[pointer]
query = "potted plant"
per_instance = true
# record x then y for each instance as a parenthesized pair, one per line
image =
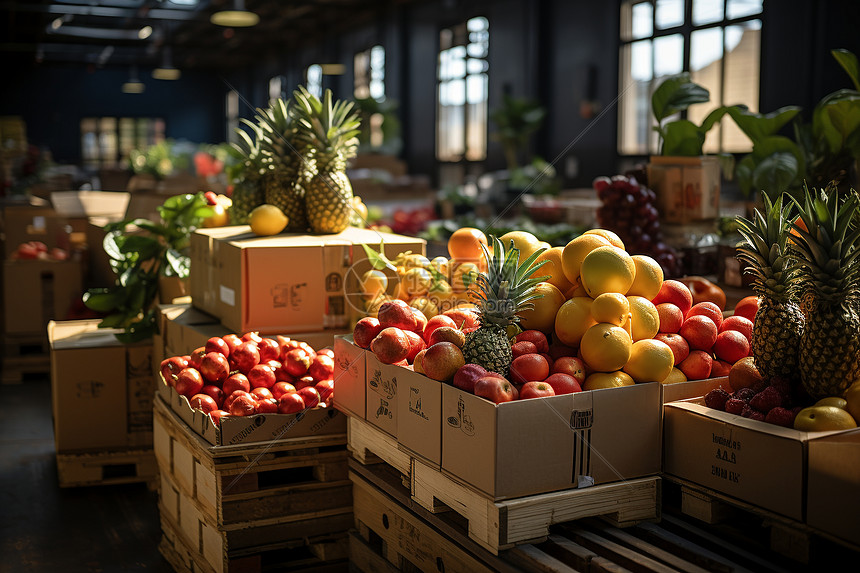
(687, 181)
(151, 263)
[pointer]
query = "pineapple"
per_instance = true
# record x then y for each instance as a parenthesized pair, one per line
(284, 159)
(779, 321)
(329, 133)
(501, 294)
(248, 190)
(827, 249)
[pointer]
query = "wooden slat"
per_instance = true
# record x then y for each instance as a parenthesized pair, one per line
(628, 558)
(363, 558)
(364, 439)
(626, 538)
(89, 469)
(530, 558)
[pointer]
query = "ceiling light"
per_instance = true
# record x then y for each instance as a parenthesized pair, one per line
(144, 32)
(238, 17)
(133, 85)
(166, 71)
(55, 25)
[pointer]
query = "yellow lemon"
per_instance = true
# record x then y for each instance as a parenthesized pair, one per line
(852, 396)
(610, 307)
(649, 277)
(524, 241)
(674, 377)
(573, 319)
(607, 269)
(823, 419)
(463, 277)
(416, 262)
(267, 220)
(576, 290)
(441, 265)
(606, 347)
(575, 252)
(542, 317)
(650, 361)
(553, 269)
(544, 245)
(608, 235)
(373, 283)
(599, 380)
(645, 320)
(416, 281)
(834, 401)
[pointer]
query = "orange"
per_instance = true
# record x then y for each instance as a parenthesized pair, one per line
(606, 347)
(546, 308)
(599, 380)
(465, 244)
(645, 320)
(524, 241)
(792, 231)
(650, 361)
(852, 397)
(553, 269)
(610, 307)
(573, 319)
(607, 269)
(613, 239)
(575, 251)
(648, 279)
(416, 281)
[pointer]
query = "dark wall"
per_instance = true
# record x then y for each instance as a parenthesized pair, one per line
(53, 100)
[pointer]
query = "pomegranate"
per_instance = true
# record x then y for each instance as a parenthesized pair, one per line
(325, 389)
(203, 402)
(267, 406)
(228, 401)
(215, 367)
(326, 352)
(297, 361)
(269, 349)
(232, 341)
(215, 393)
(322, 368)
(281, 388)
(245, 356)
(310, 396)
(217, 415)
(217, 344)
(243, 405)
(291, 403)
(237, 381)
(189, 382)
(261, 393)
(171, 367)
(304, 382)
(196, 357)
(261, 376)
(252, 337)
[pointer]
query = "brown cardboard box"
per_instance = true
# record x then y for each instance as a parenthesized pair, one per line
(24, 223)
(285, 283)
(688, 188)
(759, 463)
(382, 395)
(419, 415)
(832, 503)
(350, 375)
(101, 389)
(85, 204)
(36, 292)
(527, 447)
(692, 389)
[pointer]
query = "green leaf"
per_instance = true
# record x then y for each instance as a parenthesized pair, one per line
(835, 117)
(676, 94)
(378, 260)
(848, 61)
(115, 320)
(757, 126)
(111, 247)
(179, 263)
(145, 247)
(102, 299)
(682, 138)
(744, 173)
(774, 173)
(713, 117)
(148, 225)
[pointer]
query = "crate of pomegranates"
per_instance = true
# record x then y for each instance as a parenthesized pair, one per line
(246, 389)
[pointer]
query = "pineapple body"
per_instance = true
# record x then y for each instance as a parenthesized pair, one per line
(283, 191)
(490, 347)
(830, 352)
(328, 194)
(776, 338)
(247, 195)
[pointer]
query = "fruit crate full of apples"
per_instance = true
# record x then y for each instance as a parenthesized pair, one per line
(788, 414)
(247, 389)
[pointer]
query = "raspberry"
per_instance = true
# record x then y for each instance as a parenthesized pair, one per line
(735, 406)
(744, 394)
(758, 386)
(716, 399)
(766, 400)
(752, 414)
(781, 417)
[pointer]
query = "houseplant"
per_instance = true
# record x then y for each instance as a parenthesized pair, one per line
(146, 256)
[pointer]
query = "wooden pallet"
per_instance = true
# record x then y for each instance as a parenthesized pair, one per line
(106, 468)
(208, 553)
(35, 344)
(17, 369)
(394, 533)
(498, 525)
(251, 483)
(790, 538)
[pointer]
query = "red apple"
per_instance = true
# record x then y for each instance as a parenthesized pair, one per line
(228, 401)
(171, 367)
(523, 347)
(304, 382)
(563, 383)
(267, 406)
(536, 390)
(310, 396)
(325, 388)
(671, 317)
(243, 405)
(215, 393)
(467, 375)
(416, 345)
(365, 331)
(700, 332)
(731, 346)
(296, 362)
(697, 366)
(740, 324)
(678, 344)
(237, 381)
(217, 415)
(494, 389)
(290, 403)
(203, 402)
(261, 376)
(245, 356)
(437, 321)
(420, 321)
(261, 393)
(570, 365)
(529, 368)
(269, 349)
(253, 336)
(281, 388)
(747, 307)
(536, 337)
(217, 344)
(232, 341)
(195, 359)
(189, 382)
(719, 368)
(709, 309)
(675, 292)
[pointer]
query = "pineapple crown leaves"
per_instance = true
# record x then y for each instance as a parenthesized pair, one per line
(328, 126)
(507, 287)
(765, 248)
(828, 244)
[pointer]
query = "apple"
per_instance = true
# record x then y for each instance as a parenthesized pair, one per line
(675, 292)
(536, 337)
(214, 367)
(261, 393)
(203, 402)
(436, 322)
(747, 307)
(708, 309)
(731, 346)
(563, 383)
(365, 331)
(290, 403)
(523, 347)
(269, 349)
(217, 344)
(697, 366)
(310, 396)
(267, 406)
(214, 392)
(570, 365)
(678, 344)
(237, 381)
(195, 359)
(558, 350)
(325, 388)
(391, 345)
(217, 415)
(416, 345)
(261, 376)
(720, 368)
(245, 356)
(536, 390)
(243, 405)
(442, 360)
(704, 290)
(494, 389)
(739, 324)
(467, 375)
(281, 388)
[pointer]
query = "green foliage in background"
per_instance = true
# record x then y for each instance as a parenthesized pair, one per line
(159, 160)
(392, 141)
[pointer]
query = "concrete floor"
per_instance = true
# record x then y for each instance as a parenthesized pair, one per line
(47, 529)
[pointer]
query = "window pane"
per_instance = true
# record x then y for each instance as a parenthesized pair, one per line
(668, 55)
(706, 55)
(477, 24)
(741, 8)
(707, 11)
(634, 110)
(643, 20)
(314, 83)
(670, 13)
(476, 143)
(743, 56)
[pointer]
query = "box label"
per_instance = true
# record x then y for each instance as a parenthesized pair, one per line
(726, 454)
(227, 295)
(461, 421)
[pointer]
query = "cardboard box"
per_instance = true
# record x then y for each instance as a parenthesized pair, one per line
(692, 389)
(535, 446)
(101, 389)
(285, 283)
(36, 292)
(350, 375)
(85, 204)
(24, 223)
(832, 503)
(381, 390)
(688, 188)
(756, 462)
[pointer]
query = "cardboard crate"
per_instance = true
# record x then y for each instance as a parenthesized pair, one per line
(101, 389)
(756, 462)
(24, 223)
(35, 292)
(285, 283)
(688, 188)
(832, 503)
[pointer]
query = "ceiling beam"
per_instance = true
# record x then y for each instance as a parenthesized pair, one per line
(106, 12)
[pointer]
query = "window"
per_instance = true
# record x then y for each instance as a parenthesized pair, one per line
(717, 41)
(107, 141)
(461, 110)
(232, 116)
(277, 88)
(369, 72)
(314, 80)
